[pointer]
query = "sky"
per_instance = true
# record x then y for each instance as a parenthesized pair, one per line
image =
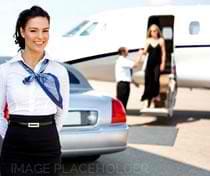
(65, 14)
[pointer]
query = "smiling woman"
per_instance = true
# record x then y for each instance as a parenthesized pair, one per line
(36, 90)
(36, 34)
(32, 34)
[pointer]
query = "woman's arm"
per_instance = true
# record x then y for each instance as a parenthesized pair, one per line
(3, 121)
(65, 92)
(163, 54)
(141, 54)
(146, 46)
(138, 58)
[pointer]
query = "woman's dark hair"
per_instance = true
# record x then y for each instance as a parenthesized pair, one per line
(23, 18)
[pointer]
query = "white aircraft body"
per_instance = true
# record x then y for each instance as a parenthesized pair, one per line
(92, 46)
(97, 39)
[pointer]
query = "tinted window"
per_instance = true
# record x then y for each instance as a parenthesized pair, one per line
(77, 80)
(73, 78)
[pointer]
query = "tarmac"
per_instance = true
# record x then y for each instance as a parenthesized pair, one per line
(187, 131)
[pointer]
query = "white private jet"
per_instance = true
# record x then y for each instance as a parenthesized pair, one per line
(92, 47)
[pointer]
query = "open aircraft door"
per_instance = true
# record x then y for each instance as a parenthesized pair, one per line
(168, 83)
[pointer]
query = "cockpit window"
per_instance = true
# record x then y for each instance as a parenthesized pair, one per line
(76, 29)
(89, 29)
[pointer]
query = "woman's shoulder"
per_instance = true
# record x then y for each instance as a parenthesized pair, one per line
(161, 40)
(148, 40)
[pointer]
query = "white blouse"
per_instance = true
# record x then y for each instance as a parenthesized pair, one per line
(30, 99)
(123, 69)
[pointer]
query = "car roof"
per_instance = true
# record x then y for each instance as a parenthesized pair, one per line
(81, 84)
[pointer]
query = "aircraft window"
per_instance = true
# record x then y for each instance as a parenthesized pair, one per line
(194, 28)
(167, 33)
(89, 29)
(76, 29)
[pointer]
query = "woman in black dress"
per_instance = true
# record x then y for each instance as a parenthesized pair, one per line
(36, 90)
(155, 48)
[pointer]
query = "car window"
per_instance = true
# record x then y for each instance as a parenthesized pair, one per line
(73, 78)
(77, 81)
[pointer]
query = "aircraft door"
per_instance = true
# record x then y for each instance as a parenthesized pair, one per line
(166, 25)
(168, 87)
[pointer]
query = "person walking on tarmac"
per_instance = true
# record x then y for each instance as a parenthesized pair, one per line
(123, 75)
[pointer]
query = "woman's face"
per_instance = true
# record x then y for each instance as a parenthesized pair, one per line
(154, 32)
(36, 34)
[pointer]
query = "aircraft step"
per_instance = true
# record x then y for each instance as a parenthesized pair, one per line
(156, 112)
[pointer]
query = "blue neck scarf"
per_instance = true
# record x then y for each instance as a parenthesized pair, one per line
(47, 81)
